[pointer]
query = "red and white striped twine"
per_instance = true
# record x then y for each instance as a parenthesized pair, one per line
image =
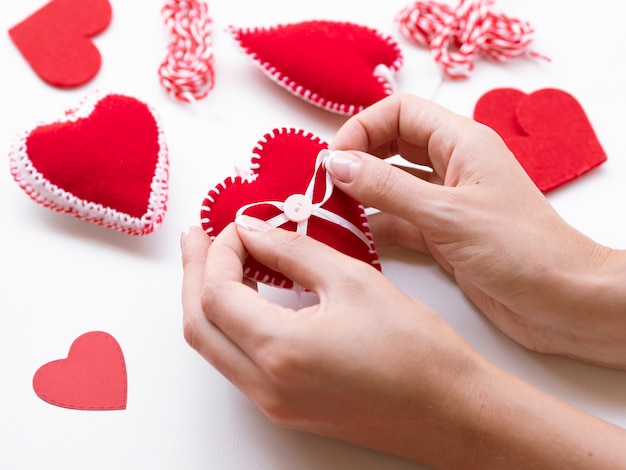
(187, 71)
(457, 35)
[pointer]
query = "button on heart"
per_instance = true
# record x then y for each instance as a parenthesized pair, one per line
(298, 208)
(55, 40)
(92, 377)
(339, 66)
(105, 162)
(547, 130)
(290, 189)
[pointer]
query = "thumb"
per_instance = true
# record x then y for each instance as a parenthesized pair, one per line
(302, 259)
(378, 184)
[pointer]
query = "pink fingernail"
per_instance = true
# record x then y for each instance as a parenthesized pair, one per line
(183, 238)
(252, 224)
(343, 165)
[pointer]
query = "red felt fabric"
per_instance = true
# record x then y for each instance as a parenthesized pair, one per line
(55, 40)
(92, 377)
(105, 161)
(328, 63)
(286, 159)
(108, 157)
(547, 130)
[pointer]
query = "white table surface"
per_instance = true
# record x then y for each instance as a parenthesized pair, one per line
(61, 277)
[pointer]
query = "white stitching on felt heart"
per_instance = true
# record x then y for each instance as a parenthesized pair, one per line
(382, 73)
(249, 176)
(42, 191)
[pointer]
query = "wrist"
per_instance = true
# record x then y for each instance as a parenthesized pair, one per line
(502, 422)
(603, 307)
(517, 425)
(588, 295)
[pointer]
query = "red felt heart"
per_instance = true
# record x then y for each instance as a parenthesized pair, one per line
(105, 162)
(339, 66)
(92, 377)
(285, 163)
(547, 130)
(55, 40)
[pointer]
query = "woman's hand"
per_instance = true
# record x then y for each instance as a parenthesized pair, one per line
(539, 280)
(368, 364)
(372, 366)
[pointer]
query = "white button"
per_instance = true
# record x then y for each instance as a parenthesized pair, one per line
(297, 208)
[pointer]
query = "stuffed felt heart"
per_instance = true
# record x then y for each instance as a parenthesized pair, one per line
(339, 66)
(92, 377)
(105, 162)
(547, 130)
(55, 40)
(289, 188)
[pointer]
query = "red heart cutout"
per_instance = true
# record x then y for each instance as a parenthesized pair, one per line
(93, 377)
(285, 163)
(547, 130)
(339, 66)
(105, 162)
(55, 40)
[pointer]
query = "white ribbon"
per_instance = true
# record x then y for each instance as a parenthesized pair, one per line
(317, 210)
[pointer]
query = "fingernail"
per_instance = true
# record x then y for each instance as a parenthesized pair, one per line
(343, 165)
(183, 238)
(252, 224)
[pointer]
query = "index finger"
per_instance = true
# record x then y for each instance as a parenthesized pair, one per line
(419, 130)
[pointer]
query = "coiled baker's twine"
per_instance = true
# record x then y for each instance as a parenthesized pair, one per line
(187, 71)
(457, 35)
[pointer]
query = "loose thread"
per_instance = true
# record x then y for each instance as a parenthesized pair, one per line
(457, 35)
(187, 72)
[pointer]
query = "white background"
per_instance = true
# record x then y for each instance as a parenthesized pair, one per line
(61, 277)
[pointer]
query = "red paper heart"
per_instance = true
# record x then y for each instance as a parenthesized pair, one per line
(284, 164)
(55, 40)
(548, 131)
(105, 162)
(339, 66)
(93, 377)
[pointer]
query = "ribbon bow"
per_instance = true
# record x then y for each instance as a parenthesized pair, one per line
(300, 207)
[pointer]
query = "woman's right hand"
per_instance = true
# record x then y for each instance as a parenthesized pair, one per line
(538, 279)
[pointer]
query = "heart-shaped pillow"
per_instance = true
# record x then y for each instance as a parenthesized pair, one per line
(339, 66)
(286, 174)
(547, 130)
(105, 162)
(92, 377)
(55, 40)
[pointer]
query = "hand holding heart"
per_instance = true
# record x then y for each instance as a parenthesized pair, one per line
(479, 214)
(373, 366)
(309, 369)
(367, 364)
(286, 166)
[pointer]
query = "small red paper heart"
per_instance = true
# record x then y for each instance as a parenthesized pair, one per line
(547, 130)
(92, 377)
(105, 162)
(55, 40)
(339, 66)
(286, 163)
